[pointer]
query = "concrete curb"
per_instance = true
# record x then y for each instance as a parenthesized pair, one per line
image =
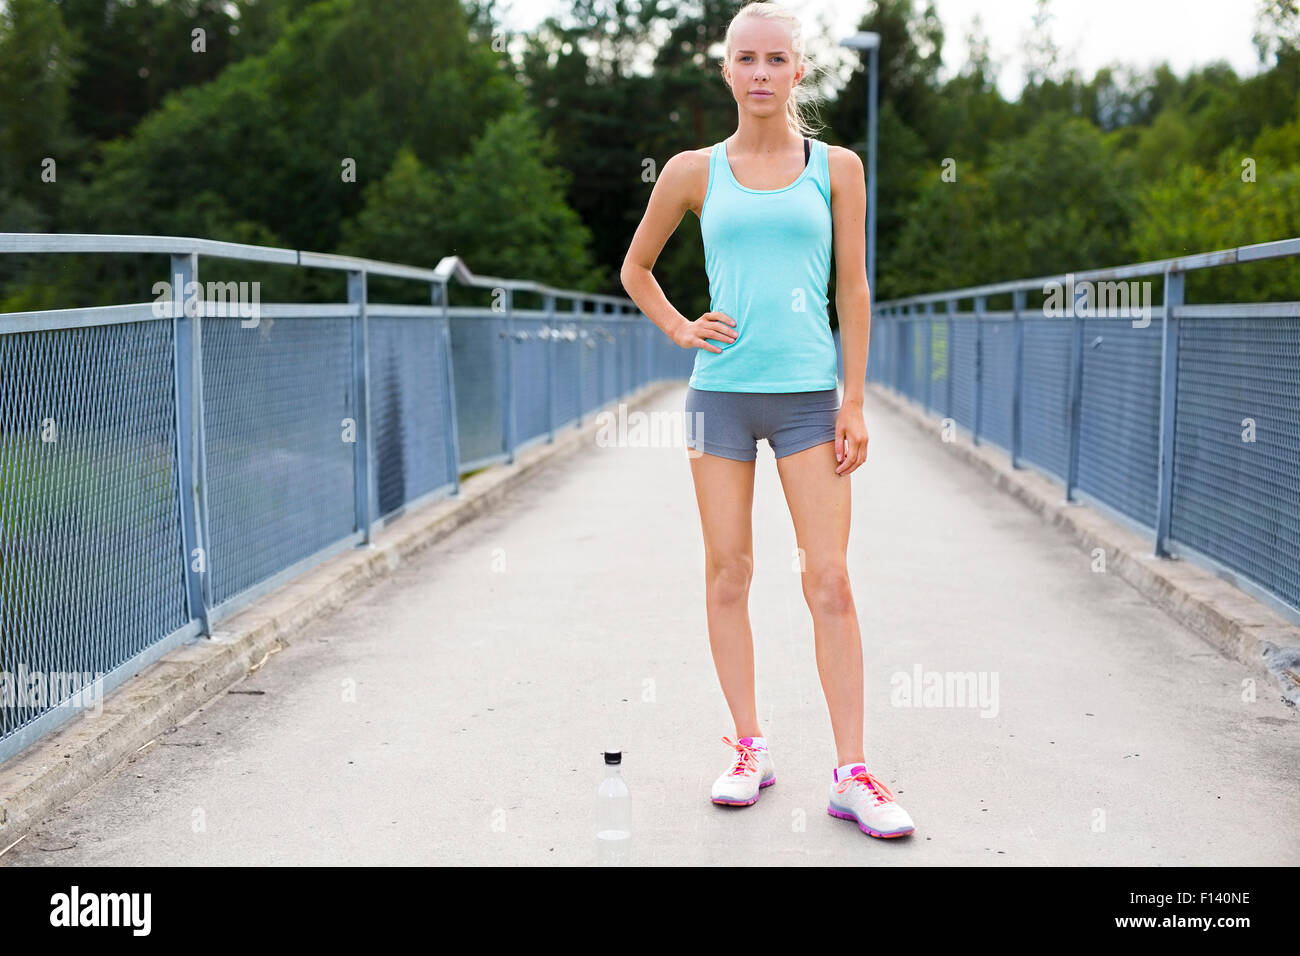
(76, 756)
(1233, 622)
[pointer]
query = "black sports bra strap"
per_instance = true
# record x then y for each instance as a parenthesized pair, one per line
(805, 150)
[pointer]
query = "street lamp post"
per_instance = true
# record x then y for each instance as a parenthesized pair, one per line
(870, 43)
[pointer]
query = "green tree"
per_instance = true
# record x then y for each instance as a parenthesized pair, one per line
(970, 113)
(265, 149)
(500, 208)
(1248, 196)
(37, 65)
(134, 54)
(1058, 198)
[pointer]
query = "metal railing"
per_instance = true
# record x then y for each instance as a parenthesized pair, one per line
(1185, 425)
(164, 464)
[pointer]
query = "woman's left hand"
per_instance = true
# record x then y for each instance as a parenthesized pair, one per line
(850, 438)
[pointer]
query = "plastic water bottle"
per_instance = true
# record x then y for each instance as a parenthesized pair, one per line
(613, 815)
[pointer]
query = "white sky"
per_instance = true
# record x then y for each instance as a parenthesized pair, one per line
(1090, 33)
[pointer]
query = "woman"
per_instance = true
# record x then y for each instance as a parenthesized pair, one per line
(771, 203)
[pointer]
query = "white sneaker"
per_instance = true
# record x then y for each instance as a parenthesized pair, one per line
(751, 772)
(869, 803)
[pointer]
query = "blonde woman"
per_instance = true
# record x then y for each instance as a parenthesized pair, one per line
(773, 203)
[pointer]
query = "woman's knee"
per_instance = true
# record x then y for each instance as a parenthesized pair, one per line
(827, 589)
(728, 578)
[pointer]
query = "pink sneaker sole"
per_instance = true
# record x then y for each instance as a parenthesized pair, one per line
(866, 829)
(747, 803)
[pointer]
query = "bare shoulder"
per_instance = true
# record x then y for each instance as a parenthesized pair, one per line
(700, 155)
(687, 175)
(845, 166)
(688, 163)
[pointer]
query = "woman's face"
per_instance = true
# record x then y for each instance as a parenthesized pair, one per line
(761, 69)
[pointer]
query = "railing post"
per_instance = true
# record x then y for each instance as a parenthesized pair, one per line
(891, 366)
(451, 435)
(187, 343)
(611, 329)
(1174, 293)
(879, 340)
(929, 354)
(979, 365)
(913, 348)
(616, 325)
(622, 350)
(596, 355)
(1076, 398)
(899, 336)
(639, 343)
(1018, 345)
(638, 351)
(366, 497)
(886, 377)
(885, 374)
(602, 310)
(508, 384)
(550, 365)
(580, 357)
(948, 307)
(630, 335)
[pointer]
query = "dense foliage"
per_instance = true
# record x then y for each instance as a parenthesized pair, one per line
(534, 154)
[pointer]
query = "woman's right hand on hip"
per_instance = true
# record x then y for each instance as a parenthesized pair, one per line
(711, 325)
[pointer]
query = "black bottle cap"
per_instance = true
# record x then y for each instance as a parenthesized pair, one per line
(613, 756)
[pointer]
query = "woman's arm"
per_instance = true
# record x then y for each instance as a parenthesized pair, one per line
(852, 297)
(852, 302)
(674, 192)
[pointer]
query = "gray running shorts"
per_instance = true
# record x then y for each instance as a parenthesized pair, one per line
(729, 424)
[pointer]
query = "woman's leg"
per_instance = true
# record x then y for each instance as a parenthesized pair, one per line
(724, 491)
(819, 503)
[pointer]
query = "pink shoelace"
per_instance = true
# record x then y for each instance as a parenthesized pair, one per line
(746, 762)
(882, 793)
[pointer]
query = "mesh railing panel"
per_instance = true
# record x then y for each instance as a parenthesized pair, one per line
(917, 360)
(531, 378)
(1119, 424)
(939, 366)
(907, 358)
(591, 365)
(408, 408)
(568, 378)
(91, 554)
(998, 370)
(477, 354)
(625, 351)
(607, 346)
(1234, 500)
(963, 373)
(1045, 404)
(280, 470)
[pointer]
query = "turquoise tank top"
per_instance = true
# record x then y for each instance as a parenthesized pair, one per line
(767, 253)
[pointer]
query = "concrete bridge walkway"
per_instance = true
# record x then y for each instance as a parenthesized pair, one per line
(454, 713)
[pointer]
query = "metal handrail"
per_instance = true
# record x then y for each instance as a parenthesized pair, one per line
(1278, 249)
(447, 268)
